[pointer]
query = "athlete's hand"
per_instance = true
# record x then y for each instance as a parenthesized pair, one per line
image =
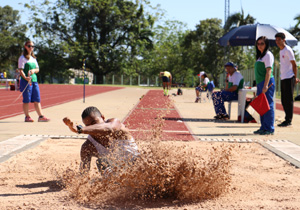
(70, 124)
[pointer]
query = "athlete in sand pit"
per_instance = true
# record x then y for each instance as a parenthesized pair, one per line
(109, 141)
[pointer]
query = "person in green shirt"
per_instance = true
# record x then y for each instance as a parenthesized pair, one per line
(265, 83)
(28, 67)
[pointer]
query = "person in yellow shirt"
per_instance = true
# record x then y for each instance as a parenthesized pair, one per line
(4, 75)
(167, 81)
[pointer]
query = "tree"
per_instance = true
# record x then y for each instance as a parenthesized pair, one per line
(107, 33)
(202, 51)
(296, 29)
(244, 57)
(167, 52)
(238, 19)
(12, 36)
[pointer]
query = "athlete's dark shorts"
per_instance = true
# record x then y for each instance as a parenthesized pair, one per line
(165, 79)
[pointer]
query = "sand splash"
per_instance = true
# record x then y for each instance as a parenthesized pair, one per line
(163, 171)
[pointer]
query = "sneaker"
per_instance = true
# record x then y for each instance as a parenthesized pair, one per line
(222, 117)
(43, 119)
(197, 99)
(259, 131)
(225, 117)
(218, 117)
(28, 119)
(267, 133)
(284, 124)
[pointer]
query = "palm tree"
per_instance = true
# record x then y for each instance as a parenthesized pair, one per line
(238, 19)
(296, 29)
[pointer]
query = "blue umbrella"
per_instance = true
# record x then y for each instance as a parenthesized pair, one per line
(246, 35)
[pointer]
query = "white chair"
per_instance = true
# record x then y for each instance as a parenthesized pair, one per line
(242, 95)
(229, 107)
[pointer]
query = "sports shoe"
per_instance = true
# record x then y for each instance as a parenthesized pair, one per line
(259, 131)
(43, 119)
(266, 133)
(284, 124)
(222, 117)
(218, 117)
(225, 117)
(197, 99)
(28, 119)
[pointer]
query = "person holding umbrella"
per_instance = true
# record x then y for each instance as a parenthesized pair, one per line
(265, 83)
(288, 76)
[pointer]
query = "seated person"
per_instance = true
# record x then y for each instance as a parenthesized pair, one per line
(235, 82)
(202, 87)
(109, 141)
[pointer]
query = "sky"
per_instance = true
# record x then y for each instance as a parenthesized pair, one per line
(275, 12)
(265, 11)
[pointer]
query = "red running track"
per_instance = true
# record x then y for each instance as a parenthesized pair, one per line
(155, 114)
(51, 95)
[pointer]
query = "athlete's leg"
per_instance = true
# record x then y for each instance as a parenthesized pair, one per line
(87, 151)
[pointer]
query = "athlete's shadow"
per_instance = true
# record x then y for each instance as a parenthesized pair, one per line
(53, 186)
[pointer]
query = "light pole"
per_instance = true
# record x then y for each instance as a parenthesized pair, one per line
(84, 76)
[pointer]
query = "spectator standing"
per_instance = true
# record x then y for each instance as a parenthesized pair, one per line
(288, 76)
(29, 87)
(265, 83)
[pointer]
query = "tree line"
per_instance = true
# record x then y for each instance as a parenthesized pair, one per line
(120, 37)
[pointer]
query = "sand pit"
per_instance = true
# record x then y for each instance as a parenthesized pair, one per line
(252, 178)
(258, 179)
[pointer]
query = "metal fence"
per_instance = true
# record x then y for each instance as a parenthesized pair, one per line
(131, 80)
(142, 80)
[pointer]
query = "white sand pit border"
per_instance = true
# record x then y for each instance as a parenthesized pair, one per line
(283, 148)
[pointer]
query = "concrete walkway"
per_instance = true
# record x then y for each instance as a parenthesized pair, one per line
(17, 136)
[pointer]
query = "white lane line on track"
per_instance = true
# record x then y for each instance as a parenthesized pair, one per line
(166, 131)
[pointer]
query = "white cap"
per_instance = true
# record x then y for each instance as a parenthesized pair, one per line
(201, 73)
